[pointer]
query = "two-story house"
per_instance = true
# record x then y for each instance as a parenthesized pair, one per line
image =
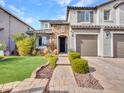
(92, 31)
(10, 24)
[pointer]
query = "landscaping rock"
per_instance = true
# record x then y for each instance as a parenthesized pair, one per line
(45, 72)
(1, 86)
(87, 81)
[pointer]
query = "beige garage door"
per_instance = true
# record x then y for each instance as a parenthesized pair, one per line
(119, 45)
(86, 45)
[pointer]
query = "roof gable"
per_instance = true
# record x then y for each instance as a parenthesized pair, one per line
(5, 10)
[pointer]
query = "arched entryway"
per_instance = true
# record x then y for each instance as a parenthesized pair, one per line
(62, 44)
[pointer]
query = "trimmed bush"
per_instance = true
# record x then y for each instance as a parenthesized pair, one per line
(80, 66)
(52, 60)
(73, 55)
(1, 57)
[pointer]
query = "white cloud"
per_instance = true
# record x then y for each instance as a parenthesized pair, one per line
(29, 20)
(63, 2)
(2, 2)
(16, 10)
(85, 2)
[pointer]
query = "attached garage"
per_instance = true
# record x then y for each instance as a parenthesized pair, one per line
(118, 45)
(86, 45)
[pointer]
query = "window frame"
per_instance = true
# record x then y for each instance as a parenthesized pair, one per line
(62, 28)
(85, 16)
(46, 27)
(42, 42)
(108, 17)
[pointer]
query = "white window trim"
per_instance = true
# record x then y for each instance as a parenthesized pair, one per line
(47, 26)
(110, 16)
(85, 17)
(62, 28)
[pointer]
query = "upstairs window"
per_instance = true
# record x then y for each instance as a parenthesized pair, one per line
(46, 25)
(85, 16)
(62, 28)
(107, 15)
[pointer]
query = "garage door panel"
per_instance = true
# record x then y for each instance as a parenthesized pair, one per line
(87, 45)
(119, 45)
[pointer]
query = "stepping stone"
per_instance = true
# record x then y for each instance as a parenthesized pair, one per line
(8, 87)
(31, 86)
(38, 86)
(1, 86)
(23, 87)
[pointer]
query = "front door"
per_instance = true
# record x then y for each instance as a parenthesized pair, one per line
(62, 44)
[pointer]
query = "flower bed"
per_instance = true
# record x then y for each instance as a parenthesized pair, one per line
(81, 72)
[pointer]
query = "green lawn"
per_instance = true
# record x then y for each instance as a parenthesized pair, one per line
(19, 68)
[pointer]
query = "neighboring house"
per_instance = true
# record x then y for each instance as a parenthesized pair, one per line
(10, 24)
(92, 31)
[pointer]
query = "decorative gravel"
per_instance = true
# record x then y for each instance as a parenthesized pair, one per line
(45, 72)
(87, 81)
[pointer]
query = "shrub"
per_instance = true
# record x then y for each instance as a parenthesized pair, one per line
(24, 43)
(17, 37)
(24, 46)
(1, 57)
(2, 45)
(80, 66)
(73, 55)
(52, 60)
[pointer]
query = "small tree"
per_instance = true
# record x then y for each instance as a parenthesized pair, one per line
(24, 46)
(24, 43)
(17, 37)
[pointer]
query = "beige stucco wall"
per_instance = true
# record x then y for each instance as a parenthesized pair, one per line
(11, 26)
(72, 18)
(121, 12)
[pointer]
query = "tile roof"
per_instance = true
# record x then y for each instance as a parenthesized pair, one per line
(85, 26)
(56, 22)
(45, 31)
(97, 27)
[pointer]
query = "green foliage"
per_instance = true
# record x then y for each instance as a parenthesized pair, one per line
(52, 60)
(1, 57)
(24, 46)
(2, 45)
(73, 55)
(17, 37)
(24, 43)
(80, 66)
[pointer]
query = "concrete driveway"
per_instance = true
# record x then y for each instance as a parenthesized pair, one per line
(109, 74)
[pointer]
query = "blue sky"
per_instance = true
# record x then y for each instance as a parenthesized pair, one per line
(31, 11)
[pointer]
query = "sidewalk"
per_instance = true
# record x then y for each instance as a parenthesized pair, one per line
(63, 79)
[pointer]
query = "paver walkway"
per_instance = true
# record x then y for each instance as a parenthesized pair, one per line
(62, 79)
